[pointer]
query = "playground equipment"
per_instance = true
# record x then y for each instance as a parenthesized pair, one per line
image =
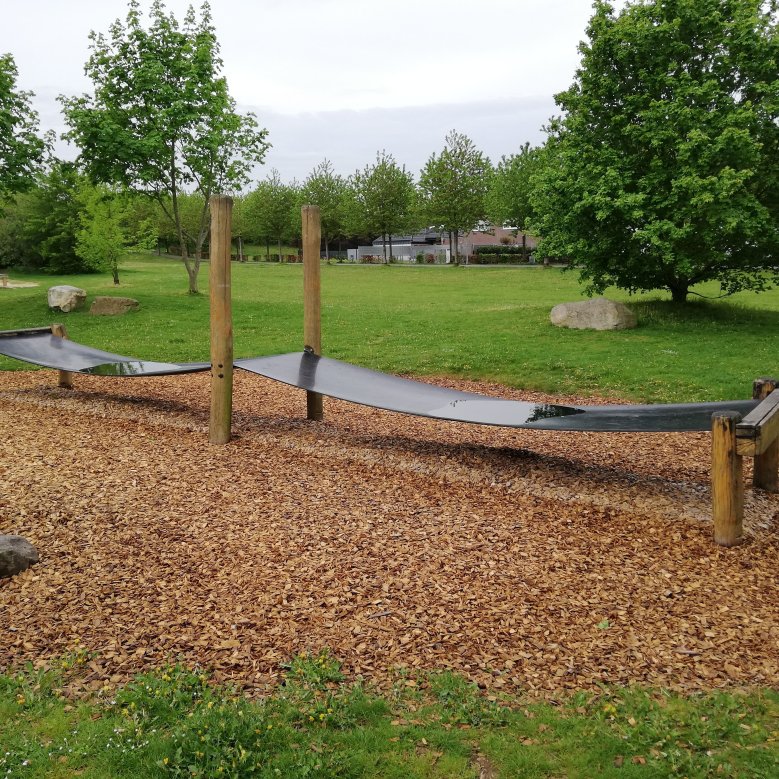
(740, 428)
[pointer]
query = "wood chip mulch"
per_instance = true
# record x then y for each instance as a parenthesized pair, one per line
(530, 561)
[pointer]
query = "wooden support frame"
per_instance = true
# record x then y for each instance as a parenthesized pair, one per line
(65, 379)
(757, 435)
(727, 481)
(220, 419)
(312, 307)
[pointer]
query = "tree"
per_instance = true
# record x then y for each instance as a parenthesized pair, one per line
(508, 198)
(382, 198)
(268, 210)
(41, 224)
(453, 187)
(326, 189)
(664, 170)
(21, 149)
(161, 119)
(109, 228)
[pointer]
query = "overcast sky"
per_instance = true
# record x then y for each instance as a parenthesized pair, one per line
(344, 78)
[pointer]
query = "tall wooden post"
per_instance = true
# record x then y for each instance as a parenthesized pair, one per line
(727, 483)
(65, 377)
(766, 471)
(312, 324)
(221, 321)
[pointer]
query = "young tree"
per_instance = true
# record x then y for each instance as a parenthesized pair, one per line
(326, 189)
(21, 149)
(664, 170)
(382, 199)
(453, 187)
(109, 229)
(269, 209)
(161, 119)
(508, 198)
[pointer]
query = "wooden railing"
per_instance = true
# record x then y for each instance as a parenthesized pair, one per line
(733, 438)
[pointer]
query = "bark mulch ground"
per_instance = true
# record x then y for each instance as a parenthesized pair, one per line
(525, 560)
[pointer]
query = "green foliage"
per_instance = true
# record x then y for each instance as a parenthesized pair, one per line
(328, 190)
(664, 170)
(508, 201)
(381, 200)
(161, 119)
(39, 228)
(271, 211)
(21, 148)
(453, 187)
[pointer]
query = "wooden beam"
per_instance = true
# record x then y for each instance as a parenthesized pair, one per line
(765, 475)
(760, 427)
(312, 320)
(65, 379)
(727, 483)
(220, 420)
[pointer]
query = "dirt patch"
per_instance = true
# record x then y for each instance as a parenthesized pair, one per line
(525, 560)
(18, 284)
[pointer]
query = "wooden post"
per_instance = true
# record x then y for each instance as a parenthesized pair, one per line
(65, 377)
(727, 483)
(220, 420)
(312, 324)
(766, 470)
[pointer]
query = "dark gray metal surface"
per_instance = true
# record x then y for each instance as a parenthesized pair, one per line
(51, 351)
(371, 388)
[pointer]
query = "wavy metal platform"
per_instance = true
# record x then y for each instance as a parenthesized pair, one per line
(352, 383)
(52, 351)
(371, 388)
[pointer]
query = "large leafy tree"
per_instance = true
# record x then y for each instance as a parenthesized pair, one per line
(326, 189)
(508, 198)
(21, 148)
(161, 120)
(664, 170)
(453, 186)
(381, 200)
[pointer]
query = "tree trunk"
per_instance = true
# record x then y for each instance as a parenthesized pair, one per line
(384, 244)
(390, 246)
(115, 274)
(456, 247)
(679, 292)
(280, 260)
(240, 249)
(327, 251)
(267, 249)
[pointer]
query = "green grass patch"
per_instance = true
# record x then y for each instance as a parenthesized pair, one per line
(175, 723)
(478, 323)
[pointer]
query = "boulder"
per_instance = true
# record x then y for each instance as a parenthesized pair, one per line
(113, 306)
(17, 554)
(595, 314)
(66, 298)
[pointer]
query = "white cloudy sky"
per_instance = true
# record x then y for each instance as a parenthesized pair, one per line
(344, 78)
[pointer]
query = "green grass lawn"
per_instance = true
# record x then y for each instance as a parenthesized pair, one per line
(174, 723)
(480, 323)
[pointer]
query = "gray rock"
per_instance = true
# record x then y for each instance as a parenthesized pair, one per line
(113, 306)
(17, 554)
(66, 298)
(595, 314)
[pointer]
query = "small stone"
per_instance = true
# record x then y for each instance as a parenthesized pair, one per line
(113, 306)
(17, 554)
(66, 298)
(595, 314)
